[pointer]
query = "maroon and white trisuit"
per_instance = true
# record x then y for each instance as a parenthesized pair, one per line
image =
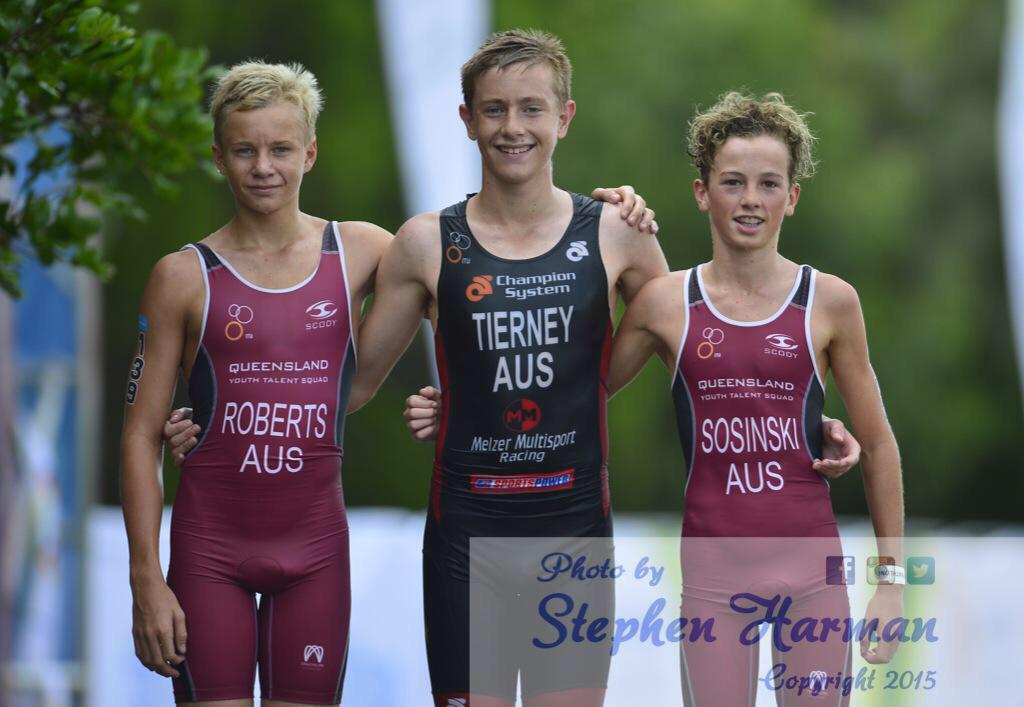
(749, 398)
(259, 509)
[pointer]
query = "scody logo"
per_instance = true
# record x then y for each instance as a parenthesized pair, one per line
(323, 312)
(322, 309)
(781, 341)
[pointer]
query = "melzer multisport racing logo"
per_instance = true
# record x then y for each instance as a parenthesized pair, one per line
(521, 415)
(240, 316)
(523, 483)
(479, 288)
(322, 313)
(780, 345)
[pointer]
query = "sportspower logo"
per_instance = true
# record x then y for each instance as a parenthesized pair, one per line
(479, 288)
(577, 251)
(781, 341)
(322, 309)
(240, 316)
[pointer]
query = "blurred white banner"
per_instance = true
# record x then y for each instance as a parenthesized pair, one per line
(1011, 168)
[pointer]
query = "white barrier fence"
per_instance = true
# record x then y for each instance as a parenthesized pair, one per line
(979, 579)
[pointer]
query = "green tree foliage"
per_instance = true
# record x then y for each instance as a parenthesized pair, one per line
(102, 107)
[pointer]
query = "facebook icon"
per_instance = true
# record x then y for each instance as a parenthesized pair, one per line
(839, 569)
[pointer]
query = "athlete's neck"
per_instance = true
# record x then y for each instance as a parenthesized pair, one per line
(249, 230)
(520, 206)
(749, 272)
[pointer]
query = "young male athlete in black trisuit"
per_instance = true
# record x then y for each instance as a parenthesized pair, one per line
(524, 291)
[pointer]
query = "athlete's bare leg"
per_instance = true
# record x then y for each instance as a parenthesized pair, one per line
(583, 697)
(279, 703)
(247, 702)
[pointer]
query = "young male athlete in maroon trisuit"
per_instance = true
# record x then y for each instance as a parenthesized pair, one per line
(749, 337)
(260, 318)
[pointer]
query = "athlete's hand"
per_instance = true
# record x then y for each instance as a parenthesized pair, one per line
(632, 207)
(158, 626)
(840, 451)
(421, 413)
(885, 605)
(181, 433)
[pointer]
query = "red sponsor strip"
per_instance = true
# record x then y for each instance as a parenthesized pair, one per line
(523, 483)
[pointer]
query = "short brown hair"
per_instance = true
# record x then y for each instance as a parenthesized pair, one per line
(518, 46)
(742, 115)
(255, 84)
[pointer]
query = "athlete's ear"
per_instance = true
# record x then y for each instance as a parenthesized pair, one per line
(794, 196)
(565, 118)
(218, 157)
(311, 152)
(467, 117)
(700, 193)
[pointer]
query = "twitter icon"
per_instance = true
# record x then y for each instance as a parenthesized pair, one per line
(921, 570)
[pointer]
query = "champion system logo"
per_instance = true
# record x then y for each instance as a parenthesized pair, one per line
(479, 288)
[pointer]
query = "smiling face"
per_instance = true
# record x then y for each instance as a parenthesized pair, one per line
(263, 154)
(517, 120)
(748, 193)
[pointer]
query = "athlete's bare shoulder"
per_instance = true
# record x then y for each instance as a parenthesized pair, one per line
(364, 245)
(837, 298)
(419, 237)
(176, 290)
(616, 232)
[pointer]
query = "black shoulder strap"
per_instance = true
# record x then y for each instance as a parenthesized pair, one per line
(694, 294)
(803, 290)
(210, 258)
(328, 244)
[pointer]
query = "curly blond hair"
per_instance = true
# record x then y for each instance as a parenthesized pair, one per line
(518, 46)
(255, 84)
(743, 115)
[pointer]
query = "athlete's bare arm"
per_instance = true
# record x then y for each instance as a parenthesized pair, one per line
(837, 327)
(405, 293)
(171, 307)
(655, 318)
(630, 258)
(365, 245)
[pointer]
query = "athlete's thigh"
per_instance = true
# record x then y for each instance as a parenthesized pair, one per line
(718, 672)
(220, 617)
(304, 632)
(814, 669)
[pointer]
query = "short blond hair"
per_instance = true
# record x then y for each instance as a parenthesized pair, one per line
(519, 46)
(742, 115)
(255, 84)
